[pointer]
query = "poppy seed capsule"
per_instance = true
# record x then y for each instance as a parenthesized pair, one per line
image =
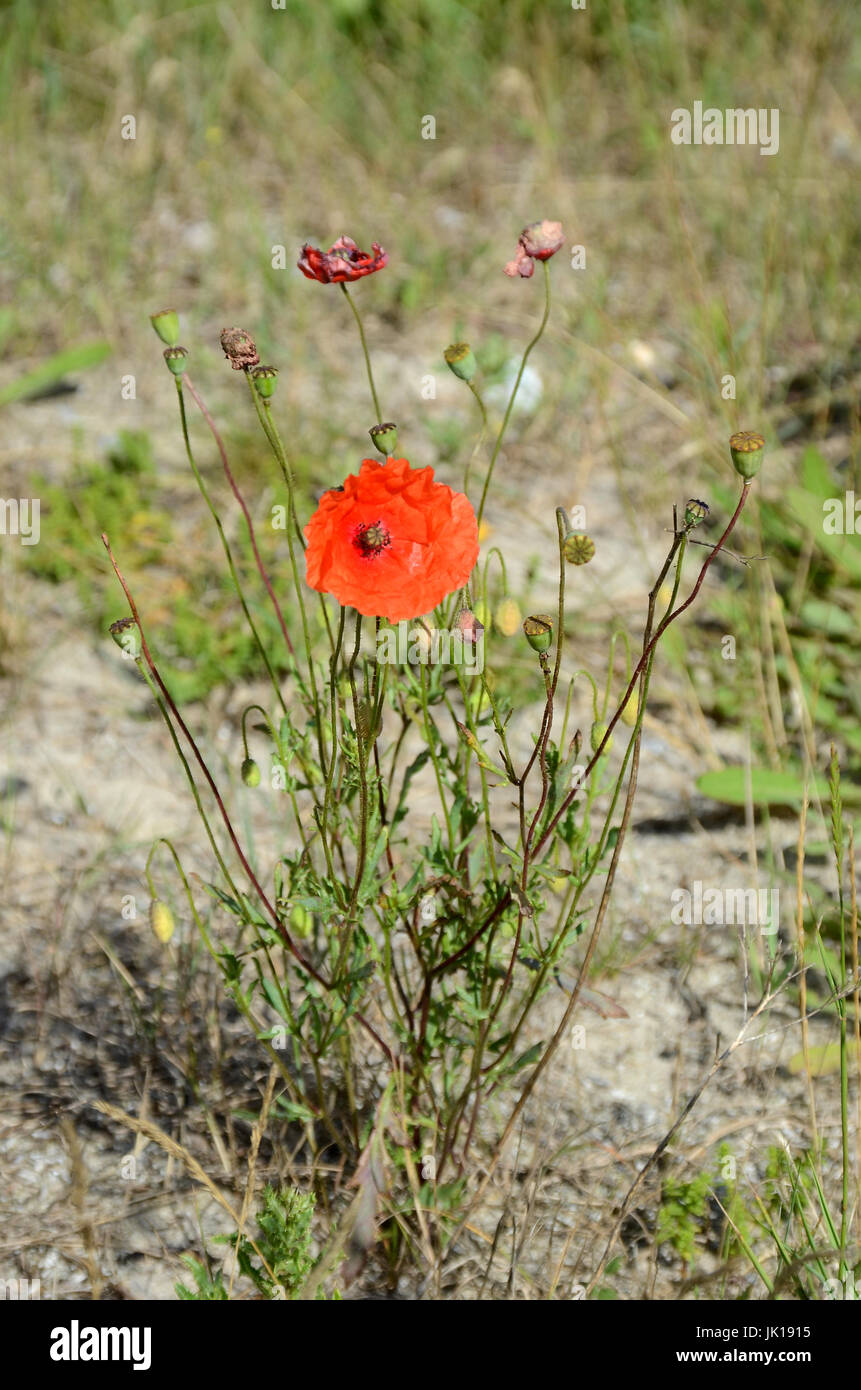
(161, 920)
(748, 450)
(175, 359)
(166, 325)
(578, 549)
(538, 630)
(264, 379)
(461, 360)
(384, 438)
(695, 513)
(250, 773)
(126, 635)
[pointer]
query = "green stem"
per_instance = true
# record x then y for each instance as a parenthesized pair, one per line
(228, 554)
(482, 433)
(357, 317)
(529, 346)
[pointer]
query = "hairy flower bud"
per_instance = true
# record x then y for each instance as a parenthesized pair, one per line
(596, 735)
(161, 920)
(250, 773)
(507, 617)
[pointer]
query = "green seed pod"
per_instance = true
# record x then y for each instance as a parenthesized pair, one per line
(539, 631)
(161, 920)
(166, 325)
(175, 359)
(251, 773)
(695, 513)
(126, 634)
(264, 379)
(748, 450)
(384, 438)
(461, 360)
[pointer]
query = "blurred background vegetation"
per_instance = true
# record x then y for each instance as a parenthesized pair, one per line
(259, 127)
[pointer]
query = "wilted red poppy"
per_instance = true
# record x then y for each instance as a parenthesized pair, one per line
(537, 242)
(392, 543)
(343, 261)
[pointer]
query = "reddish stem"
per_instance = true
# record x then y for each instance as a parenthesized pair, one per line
(240, 499)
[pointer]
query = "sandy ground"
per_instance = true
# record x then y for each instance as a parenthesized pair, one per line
(89, 779)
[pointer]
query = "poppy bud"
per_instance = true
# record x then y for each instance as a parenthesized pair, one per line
(578, 549)
(384, 438)
(539, 631)
(264, 380)
(482, 612)
(161, 920)
(250, 773)
(596, 736)
(468, 737)
(301, 921)
(468, 625)
(695, 513)
(166, 325)
(175, 359)
(461, 360)
(631, 710)
(747, 449)
(507, 617)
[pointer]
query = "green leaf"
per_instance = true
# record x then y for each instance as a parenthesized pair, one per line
(526, 1059)
(272, 994)
(230, 903)
(72, 360)
(768, 787)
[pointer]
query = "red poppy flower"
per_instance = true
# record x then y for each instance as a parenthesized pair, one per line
(537, 242)
(343, 261)
(392, 543)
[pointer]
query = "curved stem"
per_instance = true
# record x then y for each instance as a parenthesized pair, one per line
(241, 500)
(525, 358)
(357, 317)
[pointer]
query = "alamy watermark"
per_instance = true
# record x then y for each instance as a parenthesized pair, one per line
(20, 517)
(735, 126)
(418, 645)
(842, 515)
(719, 907)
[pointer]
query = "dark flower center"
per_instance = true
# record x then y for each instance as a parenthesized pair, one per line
(372, 539)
